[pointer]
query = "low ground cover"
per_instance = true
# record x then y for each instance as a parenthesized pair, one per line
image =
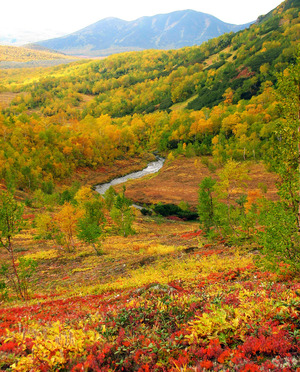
(164, 299)
(168, 302)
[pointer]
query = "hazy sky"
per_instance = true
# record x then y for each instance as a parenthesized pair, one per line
(66, 16)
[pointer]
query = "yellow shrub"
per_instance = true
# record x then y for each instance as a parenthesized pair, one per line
(53, 344)
(42, 255)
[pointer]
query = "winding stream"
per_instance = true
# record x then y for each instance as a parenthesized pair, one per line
(151, 168)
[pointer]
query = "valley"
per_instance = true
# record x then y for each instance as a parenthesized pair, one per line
(204, 275)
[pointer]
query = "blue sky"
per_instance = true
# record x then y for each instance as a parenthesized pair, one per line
(58, 17)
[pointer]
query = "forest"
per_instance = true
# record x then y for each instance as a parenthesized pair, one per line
(204, 274)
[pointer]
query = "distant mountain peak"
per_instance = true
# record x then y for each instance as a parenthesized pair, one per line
(162, 31)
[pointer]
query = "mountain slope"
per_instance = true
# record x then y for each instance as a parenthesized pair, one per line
(164, 31)
(18, 54)
(16, 57)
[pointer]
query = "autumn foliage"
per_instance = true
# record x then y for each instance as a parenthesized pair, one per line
(91, 284)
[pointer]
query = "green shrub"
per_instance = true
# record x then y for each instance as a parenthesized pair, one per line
(280, 239)
(169, 209)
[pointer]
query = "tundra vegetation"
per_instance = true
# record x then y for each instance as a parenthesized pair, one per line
(206, 276)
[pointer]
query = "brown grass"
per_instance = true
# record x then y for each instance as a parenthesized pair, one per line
(121, 254)
(179, 181)
(6, 98)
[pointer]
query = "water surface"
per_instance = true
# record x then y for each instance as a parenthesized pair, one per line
(151, 168)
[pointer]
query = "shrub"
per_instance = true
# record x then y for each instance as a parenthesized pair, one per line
(280, 238)
(167, 210)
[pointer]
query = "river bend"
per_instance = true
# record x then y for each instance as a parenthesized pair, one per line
(151, 168)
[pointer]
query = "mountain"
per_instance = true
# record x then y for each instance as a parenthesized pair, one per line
(164, 31)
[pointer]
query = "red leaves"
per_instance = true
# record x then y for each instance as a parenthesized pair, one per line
(277, 343)
(191, 234)
(174, 218)
(147, 330)
(28, 216)
(224, 356)
(78, 368)
(9, 346)
(176, 286)
(210, 252)
(206, 364)
(251, 367)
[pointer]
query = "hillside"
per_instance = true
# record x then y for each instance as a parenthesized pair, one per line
(11, 56)
(203, 274)
(232, 80)
(164, 31)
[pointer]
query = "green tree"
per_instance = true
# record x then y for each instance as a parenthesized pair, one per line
(286, 159)
(206, 202)
(218, 204)
(281, 220)
(90, 227)
(122, 214)
(280, 239)
(90, 232)
(109, 197)
(232, 180)
(11, 223)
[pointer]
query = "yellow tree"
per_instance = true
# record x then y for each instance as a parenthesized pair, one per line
(232, 181)
(66, 221)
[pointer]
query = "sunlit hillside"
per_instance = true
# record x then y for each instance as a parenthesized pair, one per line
(19, 54)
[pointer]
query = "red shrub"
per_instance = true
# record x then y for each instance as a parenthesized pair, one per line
(9, 346)
(278, 343)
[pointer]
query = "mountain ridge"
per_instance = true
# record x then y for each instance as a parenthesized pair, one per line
(163, 31)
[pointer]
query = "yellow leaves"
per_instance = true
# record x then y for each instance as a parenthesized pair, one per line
(44, 224)
(161, 249)
(66, 220)
(54, 344)
(19, 54)
(211, 73)
(83, 195)
(252, 197)
(226, 322)
(42, 255)
(24, 364)
(232, 178)
(200, 126)
(208, 326)
(103, 121)
(231, 121)
(228, 96)
(170, 269)
(81, 270)
(67, 150)
(240, 130)
(215, 140)
(170, 157)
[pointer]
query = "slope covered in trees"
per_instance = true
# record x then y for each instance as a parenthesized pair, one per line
(90, 113)
(19, 57)
(19, 54)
